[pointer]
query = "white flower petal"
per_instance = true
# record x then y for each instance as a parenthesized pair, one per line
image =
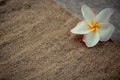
(84, 38)
(106, 31)
(91, 39)
(81, 28)
(87, 13)
(104, 15)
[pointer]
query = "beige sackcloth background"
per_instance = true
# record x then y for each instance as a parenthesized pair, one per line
(36, 44)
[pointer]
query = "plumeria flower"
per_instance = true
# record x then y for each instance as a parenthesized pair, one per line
(94, 28)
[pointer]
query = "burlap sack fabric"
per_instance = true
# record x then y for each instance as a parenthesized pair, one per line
(36, 44)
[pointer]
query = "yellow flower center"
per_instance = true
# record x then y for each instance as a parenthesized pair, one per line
(95, 26)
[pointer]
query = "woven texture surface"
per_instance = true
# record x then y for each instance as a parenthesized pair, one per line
(36, 44)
